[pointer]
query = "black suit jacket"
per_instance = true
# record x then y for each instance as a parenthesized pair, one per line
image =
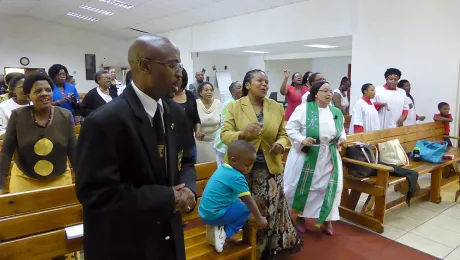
(128, 201)
(93, 101)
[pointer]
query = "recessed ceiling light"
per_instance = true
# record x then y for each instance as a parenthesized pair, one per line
(118, 3)
(258, 52)
(87, 18)
(96, 10)
(321, 46)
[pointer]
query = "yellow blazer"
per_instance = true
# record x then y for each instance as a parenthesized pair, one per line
(241, 113)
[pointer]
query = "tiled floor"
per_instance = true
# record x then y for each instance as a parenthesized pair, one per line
(425, 226)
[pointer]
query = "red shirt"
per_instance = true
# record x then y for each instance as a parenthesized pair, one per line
(446, 124)
(294, 99)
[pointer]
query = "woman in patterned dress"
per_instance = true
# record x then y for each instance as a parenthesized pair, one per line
(260, 121)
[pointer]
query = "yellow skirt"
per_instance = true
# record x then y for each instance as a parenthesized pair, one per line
(20, 182)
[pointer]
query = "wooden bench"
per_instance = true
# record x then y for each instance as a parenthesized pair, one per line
(32, 225)
(244, 244)
(373, 213)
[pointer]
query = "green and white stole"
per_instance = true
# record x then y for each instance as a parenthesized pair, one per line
(304, 184)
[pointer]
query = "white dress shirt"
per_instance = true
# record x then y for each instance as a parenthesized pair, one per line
(150, 106)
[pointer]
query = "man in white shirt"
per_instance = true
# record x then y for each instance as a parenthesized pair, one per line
(398, 107)
(135, 175)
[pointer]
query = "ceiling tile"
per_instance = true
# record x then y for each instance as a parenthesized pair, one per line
(148, 15)
(18, 7)
(275, 3)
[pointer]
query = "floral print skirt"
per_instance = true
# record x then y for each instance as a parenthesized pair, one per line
(267, 190)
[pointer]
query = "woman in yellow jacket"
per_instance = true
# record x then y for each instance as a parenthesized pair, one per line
(260, 121)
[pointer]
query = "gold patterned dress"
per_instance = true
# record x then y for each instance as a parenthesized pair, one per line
(40, 153)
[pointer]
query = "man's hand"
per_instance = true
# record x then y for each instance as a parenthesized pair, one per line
(177, 194)
(309, 141)
(421, 118)
(199, 136)
(184, 198)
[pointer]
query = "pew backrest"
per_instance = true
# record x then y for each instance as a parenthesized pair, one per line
(32, 224)
(407, 135)
(204, 171)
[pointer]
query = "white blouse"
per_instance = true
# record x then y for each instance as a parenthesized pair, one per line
(5, 112)
(210, 118)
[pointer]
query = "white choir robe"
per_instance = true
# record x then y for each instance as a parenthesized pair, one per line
(296, 130)
(364, 115)
(412, 115)
(305, 96)
(397, 102)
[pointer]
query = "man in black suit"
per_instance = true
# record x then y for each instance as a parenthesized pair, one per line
(134, 176)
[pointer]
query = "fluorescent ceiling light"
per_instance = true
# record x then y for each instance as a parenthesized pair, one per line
(118, 3)
(321, 46)
(87, 18)
(258, 52)
(96, 10)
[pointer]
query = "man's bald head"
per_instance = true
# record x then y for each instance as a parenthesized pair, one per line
(154, 63)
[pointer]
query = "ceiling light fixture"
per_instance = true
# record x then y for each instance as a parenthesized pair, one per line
(118, 3)
(321, 46)
(258, 52)
(96, 10)
(87, 18)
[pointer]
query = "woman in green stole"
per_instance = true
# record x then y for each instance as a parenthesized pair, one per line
(313, 178)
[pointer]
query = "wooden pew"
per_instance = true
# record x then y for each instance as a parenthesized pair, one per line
(32, 225)
(373, 213)
(346, 122)
(196, 246)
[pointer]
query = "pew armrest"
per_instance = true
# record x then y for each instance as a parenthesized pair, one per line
(250, 237)
(378, 167)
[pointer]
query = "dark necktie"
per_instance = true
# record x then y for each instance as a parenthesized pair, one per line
(160, 135)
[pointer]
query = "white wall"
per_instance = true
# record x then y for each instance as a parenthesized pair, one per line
(275, 72)
(237, 65)
(427, 51)
(333, 68)
(264, 27)
(47, 43)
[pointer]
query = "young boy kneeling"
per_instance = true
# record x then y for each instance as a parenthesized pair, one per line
(226, 203)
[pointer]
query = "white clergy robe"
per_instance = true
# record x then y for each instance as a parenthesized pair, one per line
(296, 130)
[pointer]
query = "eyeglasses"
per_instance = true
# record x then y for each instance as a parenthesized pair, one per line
(171, 64)
(326, 91)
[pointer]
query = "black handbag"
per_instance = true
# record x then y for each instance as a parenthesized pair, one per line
(361, 152)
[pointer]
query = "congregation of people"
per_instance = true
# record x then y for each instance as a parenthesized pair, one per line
(140, 139)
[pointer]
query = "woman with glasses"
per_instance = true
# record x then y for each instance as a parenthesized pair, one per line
(313, 178)
(398, 104)
(65, 95)
(315, 77)
(100, 95)
(209, 110)
(19, 99)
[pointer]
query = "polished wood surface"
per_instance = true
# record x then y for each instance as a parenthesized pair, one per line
(32, 225)
(373, 213)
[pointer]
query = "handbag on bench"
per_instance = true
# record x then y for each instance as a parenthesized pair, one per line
(362, 152)
(392, 152)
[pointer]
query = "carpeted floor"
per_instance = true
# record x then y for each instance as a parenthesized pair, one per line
(351, 242)
(348, 242)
